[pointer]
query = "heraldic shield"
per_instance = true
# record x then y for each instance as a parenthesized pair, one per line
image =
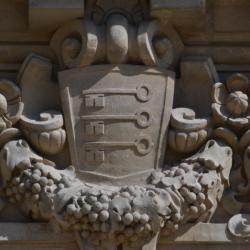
(116, 118)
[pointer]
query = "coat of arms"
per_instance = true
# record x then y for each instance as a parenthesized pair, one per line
(116, 115)
(136, 164)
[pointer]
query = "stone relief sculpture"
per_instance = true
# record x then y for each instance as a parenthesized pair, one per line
(113, 109)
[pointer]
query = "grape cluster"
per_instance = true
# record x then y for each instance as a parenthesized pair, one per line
(114, 214)
(28, 184)
(195, 194)
(93, 215)
(91, 211)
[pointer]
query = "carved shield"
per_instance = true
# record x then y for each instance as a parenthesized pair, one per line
(116, 120)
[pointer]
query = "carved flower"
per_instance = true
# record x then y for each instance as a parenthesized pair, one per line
(3, 112)
(11, 108)
(231, 102)
(10, 104)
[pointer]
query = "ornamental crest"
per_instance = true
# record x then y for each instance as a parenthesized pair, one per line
(116, 115)
(108, 142)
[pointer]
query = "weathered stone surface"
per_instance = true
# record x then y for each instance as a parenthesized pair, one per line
(124, 124)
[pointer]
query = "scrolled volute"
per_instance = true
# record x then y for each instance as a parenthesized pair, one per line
(117, 41)
(47, 134)
(187, 133)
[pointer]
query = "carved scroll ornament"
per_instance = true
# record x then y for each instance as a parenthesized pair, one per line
(115, 119)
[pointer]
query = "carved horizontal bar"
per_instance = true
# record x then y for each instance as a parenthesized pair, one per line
(43, 232)
(32, 232)
(178, 4)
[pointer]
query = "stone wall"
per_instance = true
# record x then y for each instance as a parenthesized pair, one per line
(124, 124)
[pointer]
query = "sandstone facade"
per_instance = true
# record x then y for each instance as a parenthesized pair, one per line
(124, 124)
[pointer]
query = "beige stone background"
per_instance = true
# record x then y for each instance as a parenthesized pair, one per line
(216, 28)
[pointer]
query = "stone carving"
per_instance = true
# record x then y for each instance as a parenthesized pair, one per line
(231, 102)
(111, 104)
(11, 106)
(45, 134)
(142, 98)
(158, 45)
(231, 118)
(101, 214)
(107, 216)
(41, 122)
(187, 133)
(117, 41)
(238, 225)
